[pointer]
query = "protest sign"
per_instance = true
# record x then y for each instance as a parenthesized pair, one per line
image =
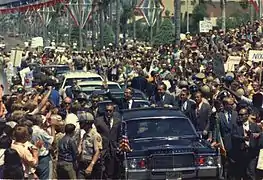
(205, 26)
(231, 62)
(16, 57)
(255, 56)
(37, 42)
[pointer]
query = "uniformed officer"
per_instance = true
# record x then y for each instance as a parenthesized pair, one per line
(83, 99)
(89, 148)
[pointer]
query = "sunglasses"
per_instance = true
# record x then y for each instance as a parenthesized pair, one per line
(109, 110)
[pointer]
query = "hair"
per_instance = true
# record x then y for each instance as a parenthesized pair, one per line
(17, 106)
(164, 86)
(30, 105)
(5, 142)
(131, 89)
(21, 133)
(16, 116)
(35, 119)
(70, 128)
(13, 168)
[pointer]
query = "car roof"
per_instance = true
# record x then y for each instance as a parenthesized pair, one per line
(55, 65)
(96, 83)
(151, 112)
(109, 101)
(80, 74)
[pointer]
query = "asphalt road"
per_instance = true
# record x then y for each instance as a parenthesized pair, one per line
(12, 42)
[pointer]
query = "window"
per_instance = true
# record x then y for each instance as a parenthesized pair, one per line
(159, 128)
(69, 81)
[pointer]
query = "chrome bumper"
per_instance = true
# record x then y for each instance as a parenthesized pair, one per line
(212, 172)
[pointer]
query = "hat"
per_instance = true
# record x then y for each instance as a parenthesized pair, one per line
(205, 89)
(240, 92)
(200, 76)
(209, 78)
(85, 117)
(230, 74)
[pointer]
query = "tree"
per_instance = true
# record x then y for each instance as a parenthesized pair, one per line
(165, 34)
(199, 13)
(235, 20)
(108, 36)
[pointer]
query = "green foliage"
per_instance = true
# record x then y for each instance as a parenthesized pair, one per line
(108, 36)
(165, 34)
(199, 13)
(235, 20)
(167, 13)
(244, 4)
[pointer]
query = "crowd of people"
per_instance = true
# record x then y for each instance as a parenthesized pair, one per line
(45, 134)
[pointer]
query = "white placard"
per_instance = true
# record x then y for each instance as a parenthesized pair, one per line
(37, 42)
(205, 26)
(16, 57)
(255, 56)
(231, 62)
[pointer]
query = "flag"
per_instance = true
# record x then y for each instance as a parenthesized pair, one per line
(255, 3)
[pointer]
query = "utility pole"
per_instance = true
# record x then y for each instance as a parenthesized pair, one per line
(118, 15)
(223, 7)
(187, 16)
(177, 20)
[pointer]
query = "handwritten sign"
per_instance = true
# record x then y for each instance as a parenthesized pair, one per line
(255, 56)
(205, 26)
(16, 57)
(37, 42)
(231, 62)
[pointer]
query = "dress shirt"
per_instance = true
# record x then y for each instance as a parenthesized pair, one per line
(246, 128)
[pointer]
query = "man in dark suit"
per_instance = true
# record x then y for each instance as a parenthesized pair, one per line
(202, 113)
(226, 119)
(123, 103)
(162, 97)
(187, 105)
(109, 127)
(245, 137)
(139, 82)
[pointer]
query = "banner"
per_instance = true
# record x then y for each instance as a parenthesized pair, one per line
(255, 56)
(30, 7)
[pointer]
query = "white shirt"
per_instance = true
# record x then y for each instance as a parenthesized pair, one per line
(130, 104)
(184, 106)
(111, 122)
(246, 128)
(228, 117)
(41, 135)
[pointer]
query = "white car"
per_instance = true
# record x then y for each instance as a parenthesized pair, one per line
(96, 85)
(79, 76)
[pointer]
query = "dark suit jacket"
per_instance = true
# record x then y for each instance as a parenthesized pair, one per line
(189, 111)
(139, 83)
(238, 140)
(121, 103)
(110, 137)
(203, 117)
(226, 128)
(168, 99)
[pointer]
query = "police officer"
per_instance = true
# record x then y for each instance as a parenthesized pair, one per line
(89, 148)
(83, 99)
